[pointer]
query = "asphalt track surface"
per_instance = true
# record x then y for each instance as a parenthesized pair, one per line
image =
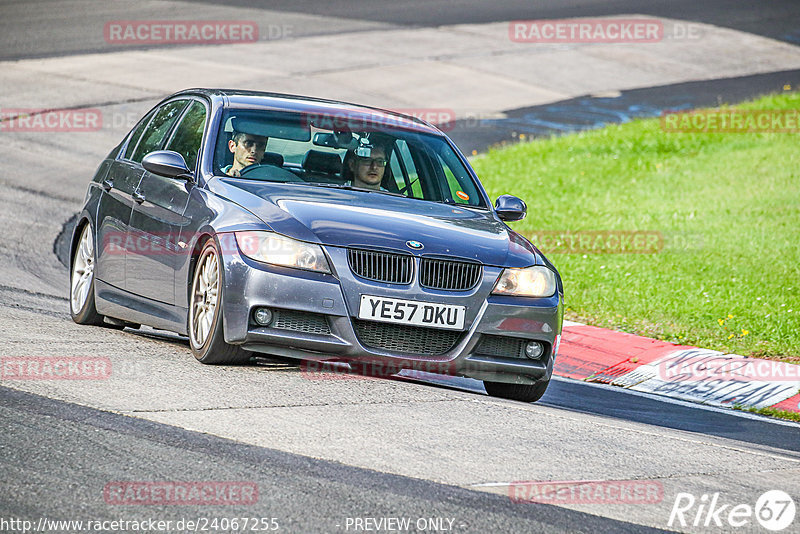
(303, 494)
(48, 28)
(590, 112)
(777, 19)
(41, 28)
(307, 444)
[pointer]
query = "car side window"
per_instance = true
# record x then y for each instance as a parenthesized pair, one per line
(189, 134)
(158, 128)
(137, 133)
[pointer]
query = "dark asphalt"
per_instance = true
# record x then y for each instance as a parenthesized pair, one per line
(56, 458)
(616, 403)
(590, 112)
(627, 405)
(42, 28)
(778, 19)
(28, 36)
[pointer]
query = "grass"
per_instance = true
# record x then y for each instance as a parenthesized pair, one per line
(726, 205)
(772, 412)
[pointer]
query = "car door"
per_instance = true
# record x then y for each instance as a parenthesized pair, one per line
(115, 206)
(158, 214)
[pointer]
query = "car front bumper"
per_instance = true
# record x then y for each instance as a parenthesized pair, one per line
(318, 321)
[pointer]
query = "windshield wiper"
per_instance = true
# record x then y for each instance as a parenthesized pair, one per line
(450, 202)
(351, 188)
(326, 184)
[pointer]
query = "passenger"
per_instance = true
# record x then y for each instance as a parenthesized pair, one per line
(248, 149)
(366, 172)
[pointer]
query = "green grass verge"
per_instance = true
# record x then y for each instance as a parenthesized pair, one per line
(726, 205)
(772, 412)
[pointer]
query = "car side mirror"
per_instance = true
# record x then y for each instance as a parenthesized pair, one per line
(167, 163)
(510, 208)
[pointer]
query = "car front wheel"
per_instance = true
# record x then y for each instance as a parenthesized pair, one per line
(206, 336)
(520, 392)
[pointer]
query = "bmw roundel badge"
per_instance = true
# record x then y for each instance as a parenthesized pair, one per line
(416, 245)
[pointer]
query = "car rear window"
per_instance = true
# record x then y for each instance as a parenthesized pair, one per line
(189, 133)
(159, 127)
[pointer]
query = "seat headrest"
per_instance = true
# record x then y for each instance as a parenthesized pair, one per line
(272, 158)
(322, 162)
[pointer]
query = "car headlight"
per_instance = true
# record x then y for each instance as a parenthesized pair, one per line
(269, 247)
(536, 281)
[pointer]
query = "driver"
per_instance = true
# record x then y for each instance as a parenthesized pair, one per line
(248, 149)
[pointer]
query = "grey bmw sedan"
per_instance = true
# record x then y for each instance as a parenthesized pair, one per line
(317, 230)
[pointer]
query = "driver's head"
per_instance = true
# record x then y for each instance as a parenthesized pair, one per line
(247, 150)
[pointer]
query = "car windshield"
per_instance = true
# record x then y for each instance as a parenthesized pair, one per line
(359, 153)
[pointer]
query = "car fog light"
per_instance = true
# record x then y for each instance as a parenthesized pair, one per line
(263, 316)
(534, 350)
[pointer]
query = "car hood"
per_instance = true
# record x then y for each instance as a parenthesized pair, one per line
(348, 218)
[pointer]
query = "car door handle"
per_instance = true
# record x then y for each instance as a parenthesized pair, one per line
(138, 196)
(108, 184)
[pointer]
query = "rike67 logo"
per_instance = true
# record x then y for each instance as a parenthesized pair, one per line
(774, 510)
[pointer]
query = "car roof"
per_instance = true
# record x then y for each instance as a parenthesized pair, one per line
(234, 98)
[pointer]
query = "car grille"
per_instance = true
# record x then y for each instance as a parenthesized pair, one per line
(449, 275)
(434, 273)
(381, 266)
(299, 321)
(501, 346)
(405, 339)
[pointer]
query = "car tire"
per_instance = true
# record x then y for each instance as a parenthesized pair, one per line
(81, 281)
(520, 392)
(206, 337)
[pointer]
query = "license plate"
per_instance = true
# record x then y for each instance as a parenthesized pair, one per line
(412, 312)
